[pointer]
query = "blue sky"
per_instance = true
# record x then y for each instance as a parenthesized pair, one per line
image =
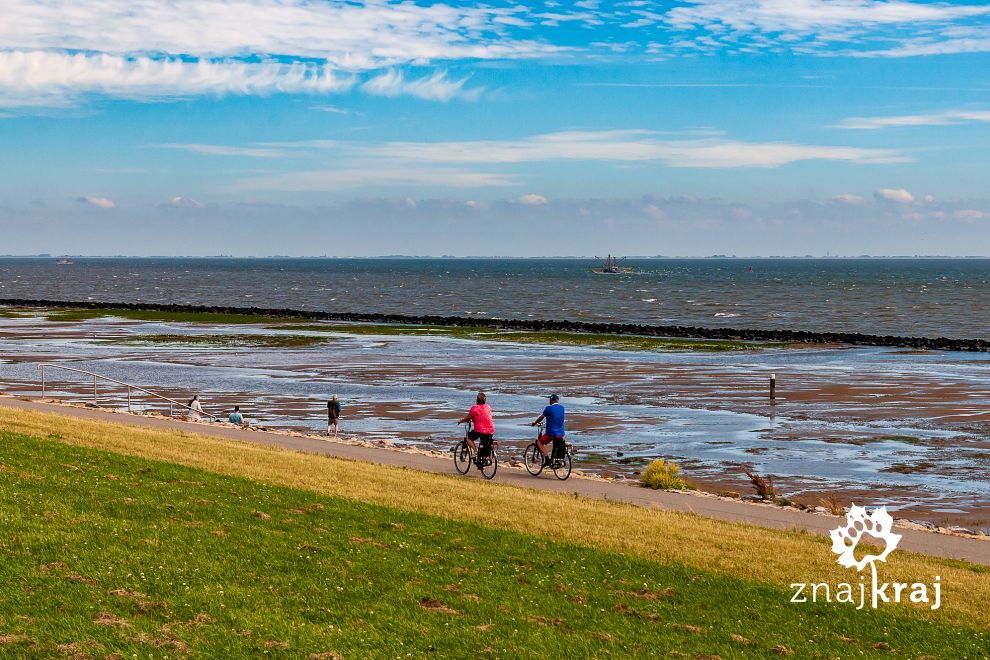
(256, 127)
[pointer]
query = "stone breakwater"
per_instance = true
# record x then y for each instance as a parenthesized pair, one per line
(645, 330)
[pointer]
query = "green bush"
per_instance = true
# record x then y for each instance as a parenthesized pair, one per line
(662, 474)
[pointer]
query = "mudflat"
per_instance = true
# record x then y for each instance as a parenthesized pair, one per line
(871, 426)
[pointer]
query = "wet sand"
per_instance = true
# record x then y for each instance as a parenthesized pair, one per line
(873, 426)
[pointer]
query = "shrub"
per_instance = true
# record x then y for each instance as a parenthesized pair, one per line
(764, 487)
(662, 474)
(832, 504)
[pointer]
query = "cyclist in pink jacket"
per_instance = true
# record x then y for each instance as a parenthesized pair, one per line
(480, 417)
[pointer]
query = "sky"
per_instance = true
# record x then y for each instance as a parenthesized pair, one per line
(309, 127)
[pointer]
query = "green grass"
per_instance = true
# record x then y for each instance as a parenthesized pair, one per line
(260, 341)
(593, 340)
(121, 554)
(77, 315)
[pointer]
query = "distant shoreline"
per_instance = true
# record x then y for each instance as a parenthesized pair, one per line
(412, 257)
(676, 331)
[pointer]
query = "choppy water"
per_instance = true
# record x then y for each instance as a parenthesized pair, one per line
(915, 297)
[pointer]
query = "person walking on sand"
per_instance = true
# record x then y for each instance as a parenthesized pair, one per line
(195, 409)
(333, 415)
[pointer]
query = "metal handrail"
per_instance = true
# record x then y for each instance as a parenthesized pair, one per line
(171, 402)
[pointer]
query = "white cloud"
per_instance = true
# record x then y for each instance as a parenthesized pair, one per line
(54, 53)
(357, 177)
(924, 46)
(803, 16)
(185, 203)
(98, 202)
(943, 118)
(869, 28)
(654, 212)
(849, 198)
(607, 146)
(899, 195)
(970, 214)
(628, 146)
(222, 150)
(532, 199)
(437, 87)
(352, 36)
(51, 53)
(59, 79)
(331, 109)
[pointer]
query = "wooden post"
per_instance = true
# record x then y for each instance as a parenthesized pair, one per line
(94, 390)
(773, 387)
(42, 382)
(128, 398)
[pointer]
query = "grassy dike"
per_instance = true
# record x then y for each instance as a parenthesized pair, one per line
(147, 542)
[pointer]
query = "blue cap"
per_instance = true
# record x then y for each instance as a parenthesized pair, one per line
(555, 397)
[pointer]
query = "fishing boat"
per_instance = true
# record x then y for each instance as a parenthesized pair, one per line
(64, 262)
(610, 266)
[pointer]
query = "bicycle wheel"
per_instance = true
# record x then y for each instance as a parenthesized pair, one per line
(562, 467)
(488, 466)
(533, 458)
(462, 457)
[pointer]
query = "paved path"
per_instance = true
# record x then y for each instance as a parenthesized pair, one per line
(940, 545)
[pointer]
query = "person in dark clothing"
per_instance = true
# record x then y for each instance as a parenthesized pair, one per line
(333, 415)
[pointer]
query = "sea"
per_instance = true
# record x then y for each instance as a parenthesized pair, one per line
(897, 296)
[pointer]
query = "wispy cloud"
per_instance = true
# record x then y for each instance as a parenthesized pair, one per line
(438, 87)
(867, 28)
(620, 146)
(628, 146)
(53, 53)
(943, 118)
(352, 35)
(221, 150)
(331, 109)
(807, 16)
(58, 79)
(357, 177)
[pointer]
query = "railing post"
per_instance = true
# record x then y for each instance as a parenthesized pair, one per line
(94, 391)
(128, 398)
(169, 408)
(42, 382)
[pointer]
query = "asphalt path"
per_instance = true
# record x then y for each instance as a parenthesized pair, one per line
(761, 515)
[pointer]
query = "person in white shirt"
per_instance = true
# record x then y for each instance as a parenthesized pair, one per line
(195, 409)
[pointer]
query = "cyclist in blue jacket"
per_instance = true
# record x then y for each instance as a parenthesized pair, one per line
(554, 416)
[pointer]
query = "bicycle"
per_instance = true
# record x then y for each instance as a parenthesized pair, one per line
(559, 461)
(486, 461)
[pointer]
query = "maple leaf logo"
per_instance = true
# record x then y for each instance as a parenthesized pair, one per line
(845, 539)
